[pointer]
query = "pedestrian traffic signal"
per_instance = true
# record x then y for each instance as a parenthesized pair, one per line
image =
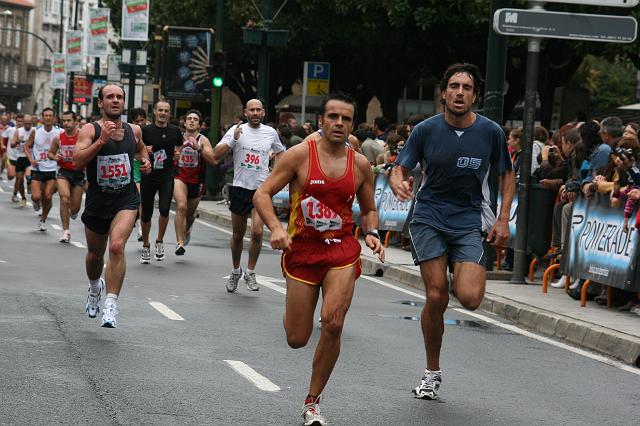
(218, 69)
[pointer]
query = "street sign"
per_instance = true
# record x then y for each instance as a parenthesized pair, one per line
(317, 78)
(613, 3)
(573, 26)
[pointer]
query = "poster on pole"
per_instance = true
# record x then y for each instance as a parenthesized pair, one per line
(135, 20)
(58, 75)
(74, 51)
(113, 72)
(98, 32)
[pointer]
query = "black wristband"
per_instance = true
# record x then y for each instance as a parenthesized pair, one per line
(374, 234)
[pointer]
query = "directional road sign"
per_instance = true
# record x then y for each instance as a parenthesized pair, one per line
(614, 3)
(573, 26)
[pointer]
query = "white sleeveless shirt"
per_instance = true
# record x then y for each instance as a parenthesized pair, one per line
(41, 145)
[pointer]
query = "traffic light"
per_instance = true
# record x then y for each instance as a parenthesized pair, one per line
(218, 69)
(56, 100)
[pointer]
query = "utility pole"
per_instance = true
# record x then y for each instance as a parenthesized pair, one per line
(72, 74)
(213, 175)
(96, 73)
(263, 58)
(57, 93)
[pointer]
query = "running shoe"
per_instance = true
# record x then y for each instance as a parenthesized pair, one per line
(73, 216)
(560, 282)
(429, 385)
(66, 237)
(23, 203)
(36, 206)
(145, 255)
(232, 284)
(187, 237)
(15, 199)
(250, 281)
(180, 248)
(93, 301)
(41, 226)
(159, 254)
(635, 310)
(109, 316)
(311, 413)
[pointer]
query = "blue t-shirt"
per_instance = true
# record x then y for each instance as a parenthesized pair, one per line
(455, 195)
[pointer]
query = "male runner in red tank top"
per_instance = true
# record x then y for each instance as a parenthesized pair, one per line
(70, 181)
(324, 177)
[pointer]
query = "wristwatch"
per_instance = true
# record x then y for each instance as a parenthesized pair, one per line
(373, 233)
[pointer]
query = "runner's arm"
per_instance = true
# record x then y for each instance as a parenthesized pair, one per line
(28, 147)
(86, 149)
(142, 153)
(401, 183)
(220, 151)
(499, 232)
(368, 213)
(207, 151)
(14, 139)
(53, 149)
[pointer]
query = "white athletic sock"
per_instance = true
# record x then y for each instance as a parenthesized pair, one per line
(250, 271)
(94, 286)
(237, 270)
(111, 298)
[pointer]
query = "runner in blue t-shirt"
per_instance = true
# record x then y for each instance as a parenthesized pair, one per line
(452, 210)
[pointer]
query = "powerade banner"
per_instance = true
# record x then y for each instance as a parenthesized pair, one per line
(598, 248)
(392, 213)
(281, 199)
(513, 218)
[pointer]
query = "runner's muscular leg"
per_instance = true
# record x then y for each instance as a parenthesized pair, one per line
(434, 276)
(121, 228)
(239, 225)
(64, 191)
(36, 190)
(180, 219)
(76, 199)
(337, 293)
(301, 300)
(192, 206)
(256, 239)
(469, 280)
(49, 188)
(96, 246)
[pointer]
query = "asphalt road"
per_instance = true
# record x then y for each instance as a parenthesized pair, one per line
(59, 367)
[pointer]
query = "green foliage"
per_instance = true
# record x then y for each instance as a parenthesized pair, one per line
(611, 83)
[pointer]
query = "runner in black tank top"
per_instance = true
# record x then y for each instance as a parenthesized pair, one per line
(107, 149)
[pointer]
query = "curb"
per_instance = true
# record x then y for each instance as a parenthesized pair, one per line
(579, 333)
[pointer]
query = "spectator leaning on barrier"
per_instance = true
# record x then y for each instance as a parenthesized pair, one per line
(540, 139)
(631, 129)
(610, 132)
(370, 147)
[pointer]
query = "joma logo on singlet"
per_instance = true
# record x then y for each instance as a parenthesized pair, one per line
(316, 182)
(469, 163)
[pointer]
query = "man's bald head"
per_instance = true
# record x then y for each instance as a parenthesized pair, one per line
(254, 112)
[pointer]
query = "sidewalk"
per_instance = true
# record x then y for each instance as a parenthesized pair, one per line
(608, 331)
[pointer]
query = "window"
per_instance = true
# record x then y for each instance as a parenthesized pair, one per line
(16, 72)
(18, 35)
(51, 7)
(9, 32)
(5, 71)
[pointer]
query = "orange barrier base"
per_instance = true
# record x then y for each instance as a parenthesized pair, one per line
(583, 294)
(532, 268)
(548, 273)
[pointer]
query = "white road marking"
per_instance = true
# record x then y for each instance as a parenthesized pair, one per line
(513, 328)
(1, 189)
(253, 376)
(166, 311)
(56, 227)
(77, 244)
(3, 261)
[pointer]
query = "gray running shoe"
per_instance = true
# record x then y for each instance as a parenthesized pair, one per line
(145, 255)
(232, 284)
(429, 385)
(109, 316)
(93, 301)
(159, 254)
(311, 413)
(250, 281)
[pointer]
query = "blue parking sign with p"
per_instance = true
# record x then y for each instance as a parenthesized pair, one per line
(318, 70)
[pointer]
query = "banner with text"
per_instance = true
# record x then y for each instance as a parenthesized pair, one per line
(97, 35)
(599, 248)
(58, 74)
(74, 51)
(135, 20)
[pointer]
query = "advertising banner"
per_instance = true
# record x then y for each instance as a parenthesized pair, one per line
(187, 56)
(392, 213)
(98, 32)
(74, 51)
(58, 74)
(135, 20)
(599, 248)
(113, 71)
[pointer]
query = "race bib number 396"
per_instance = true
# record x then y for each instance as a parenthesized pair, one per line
(319, 216)
(114, 171)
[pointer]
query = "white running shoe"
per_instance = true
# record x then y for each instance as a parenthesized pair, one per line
(93, 301)
(575, 284)
(560, 282)
(23, 203)
(311, 413)
(66, 236)
(15, 198)
(159, 254)
(429, 385)
(145, 255)
(41, 226)
(109, 316)
(232, 284)
(250, 281)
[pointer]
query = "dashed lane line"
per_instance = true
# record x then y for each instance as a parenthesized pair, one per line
(77, 244)
(56, 227)
(253, 376)
(520, 331)
(166, 311)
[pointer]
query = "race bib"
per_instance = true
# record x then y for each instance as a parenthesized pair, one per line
(253, 160)
(319, 216)
(158, 159)
(67, 152)
(188, 158)
(42, 156)
(114, 171)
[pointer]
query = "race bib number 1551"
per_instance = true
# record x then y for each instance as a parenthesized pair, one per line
(114, 171)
